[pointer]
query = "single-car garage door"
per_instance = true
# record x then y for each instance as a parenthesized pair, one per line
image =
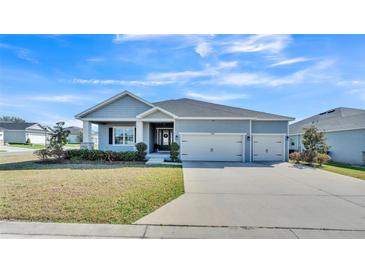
(268, 147)
(36, 138)
(212, 147)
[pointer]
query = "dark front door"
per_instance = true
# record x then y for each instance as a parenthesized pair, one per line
(164, 138)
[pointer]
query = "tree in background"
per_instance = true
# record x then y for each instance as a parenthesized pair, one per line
(11, 119)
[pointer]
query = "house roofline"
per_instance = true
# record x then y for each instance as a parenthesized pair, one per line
(154, 109)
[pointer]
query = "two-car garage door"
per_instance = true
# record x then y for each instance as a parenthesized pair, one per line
(212, 147)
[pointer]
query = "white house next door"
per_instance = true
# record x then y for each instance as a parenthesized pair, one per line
(268, 147)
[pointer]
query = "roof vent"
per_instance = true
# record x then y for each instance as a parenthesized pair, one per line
(327, 112)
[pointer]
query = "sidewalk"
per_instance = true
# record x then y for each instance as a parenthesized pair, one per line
(27, 230)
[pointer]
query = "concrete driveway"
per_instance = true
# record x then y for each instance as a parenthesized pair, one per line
(265, 196)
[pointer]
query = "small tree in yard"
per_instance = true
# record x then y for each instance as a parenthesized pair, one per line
(174, 152)
(314, 143)
(58, 140)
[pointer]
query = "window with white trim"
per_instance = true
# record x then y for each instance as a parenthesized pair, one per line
(123, 136)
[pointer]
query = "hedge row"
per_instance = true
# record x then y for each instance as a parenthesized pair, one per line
(99, 155)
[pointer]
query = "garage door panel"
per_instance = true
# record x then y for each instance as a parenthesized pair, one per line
(212, 148)
(268, 148)
(36, 138)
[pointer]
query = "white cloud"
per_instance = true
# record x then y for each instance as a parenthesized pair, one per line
(121, 82)
(58, 98)
(21, 53)
(290, 61)
(217, 97)
(136, 37)
(181, 76)
(259, 43)
(242, 79)
(358, 92)
(203, 49)
(95, 59)
(315, 73)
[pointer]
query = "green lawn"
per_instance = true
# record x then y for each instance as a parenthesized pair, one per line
(345, 169)
(85, 193)
(74, 146)
(2, 150)
(33, 146)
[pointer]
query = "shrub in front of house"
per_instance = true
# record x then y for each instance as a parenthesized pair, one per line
(28, 142)
(174, 152)
(322, 158)
(99, 155)
(141, 151)
(43, 154)
(296, 157)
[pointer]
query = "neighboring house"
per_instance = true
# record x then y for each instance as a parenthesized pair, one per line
(204, 131)
(1, 136)
(344, 131)
(75, 136)
(20, 132)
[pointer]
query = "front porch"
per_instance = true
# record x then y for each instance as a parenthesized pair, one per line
(123, 135)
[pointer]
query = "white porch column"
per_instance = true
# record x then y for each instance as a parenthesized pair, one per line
(139, 131)
(86, 136)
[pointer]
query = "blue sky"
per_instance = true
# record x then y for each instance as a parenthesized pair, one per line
(47, 78)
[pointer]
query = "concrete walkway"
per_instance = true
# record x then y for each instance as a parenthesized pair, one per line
(265, 196)
(36, 230)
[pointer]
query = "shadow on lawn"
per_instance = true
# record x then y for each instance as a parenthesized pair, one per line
(37, 165)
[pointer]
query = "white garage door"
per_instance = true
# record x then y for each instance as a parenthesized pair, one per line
(268, 148)
(36, 138)
(217, 147)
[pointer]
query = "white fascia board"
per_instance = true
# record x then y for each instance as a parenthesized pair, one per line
(229, 118)
(157, 120)
(154, 109)
(110, 100)
(212, 133)
(268, 133)
(109, 119)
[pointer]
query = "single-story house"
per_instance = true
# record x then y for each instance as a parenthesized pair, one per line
(1, 136)
(75, 136)
(21, 132)
(344, 131)
(204, 131)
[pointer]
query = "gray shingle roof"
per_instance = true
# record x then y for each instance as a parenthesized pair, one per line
(332, 120)
(193, 108)
(15, 126)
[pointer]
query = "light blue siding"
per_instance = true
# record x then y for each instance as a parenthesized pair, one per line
(157, 115)
(270, 127)
(103, 135)
(215, 126)
(347, 146)
(125, 107)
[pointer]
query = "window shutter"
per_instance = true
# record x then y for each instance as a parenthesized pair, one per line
(110, 136)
